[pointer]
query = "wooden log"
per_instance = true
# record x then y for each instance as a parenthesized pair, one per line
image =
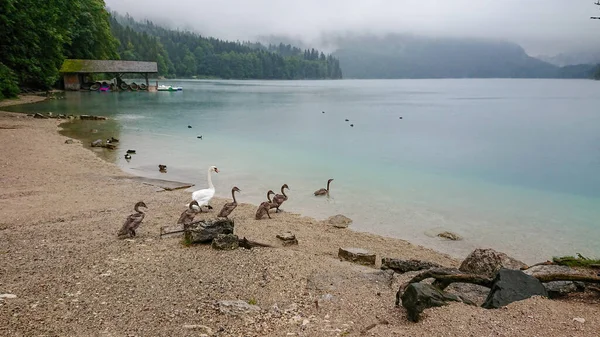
(245, 243)
(567, 277)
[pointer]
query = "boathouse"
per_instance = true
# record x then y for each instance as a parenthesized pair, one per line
(76, 73)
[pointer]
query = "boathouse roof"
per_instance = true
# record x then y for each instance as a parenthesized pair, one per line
(107, 66)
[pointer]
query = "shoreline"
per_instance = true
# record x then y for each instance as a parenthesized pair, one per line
(61, 206)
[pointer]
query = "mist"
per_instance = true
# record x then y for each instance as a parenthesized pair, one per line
(540, 26)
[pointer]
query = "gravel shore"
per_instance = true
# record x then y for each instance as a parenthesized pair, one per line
(61, 207)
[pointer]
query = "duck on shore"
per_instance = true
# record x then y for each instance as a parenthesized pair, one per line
(323, 191)
(188, 215)
(264, 207)
(127, 156)
(230, 206)
(279, 199)
(133, 221)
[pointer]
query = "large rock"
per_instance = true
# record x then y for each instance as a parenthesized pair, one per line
(237, 307)
(488, 261)
(511, 286)
(557, 289)
(404, 266)
(226, 242)
(339, 221)
(204, 231)
(357, 255)
(420, 296)
(288, 238)
(450, 236)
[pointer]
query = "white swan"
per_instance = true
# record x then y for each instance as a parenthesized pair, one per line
(204, 196)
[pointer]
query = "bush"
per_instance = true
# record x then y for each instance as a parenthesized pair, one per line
(8, 82)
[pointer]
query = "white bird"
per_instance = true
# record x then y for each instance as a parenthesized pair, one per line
(204, 196)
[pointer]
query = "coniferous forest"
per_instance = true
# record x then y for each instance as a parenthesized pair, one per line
(37, 36)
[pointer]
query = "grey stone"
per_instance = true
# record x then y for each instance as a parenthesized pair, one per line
(225, 242)
(199, 328)
(69, 141)
(420, 296)
(204, 231)
(557, 289)
(450, 236)
(97, 143)
(357, 255)
(237, 307)
(39, 115)
(487, 262)
(288, 238)
(403, 266)
(511, 286)
(339, 221)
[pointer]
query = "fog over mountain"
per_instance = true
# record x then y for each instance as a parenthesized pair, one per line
(541, 27)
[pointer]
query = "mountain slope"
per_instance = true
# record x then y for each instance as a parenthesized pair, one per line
(408, 56)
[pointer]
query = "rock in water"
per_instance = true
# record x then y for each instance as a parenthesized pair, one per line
(450, 236)
(237, 307)
(226, 242)
(420, 296)
(511, 286)
(204, 231)
(404, 266)
(97, 143)
(488, 261)
(339, 221)
(288, 238)
(557, 289)
(39, 115)
(357, 255)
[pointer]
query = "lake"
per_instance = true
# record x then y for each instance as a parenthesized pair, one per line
(508, 164)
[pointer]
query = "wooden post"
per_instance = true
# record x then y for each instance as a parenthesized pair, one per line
(146, 77)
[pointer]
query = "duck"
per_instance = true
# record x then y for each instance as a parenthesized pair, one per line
(323, 191)
(203, 196)
(189, 126)
(264, 207)
(188, 215)
(323, 111)
(400, 117)
(351, 125)
(127, 156)
(131, 151)
(133, 221)
(162, 168)
(230, 206)
(199, 137)
(111, 140)
(347, 120)
(279, 199)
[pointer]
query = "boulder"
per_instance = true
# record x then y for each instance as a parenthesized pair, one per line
(450, 236)
(488, 261)
(339, 221)
(204, 231)
(404, 266)
(97, 143)
(39, 115)
(511, 286)
(237, 307)
(225, 242)
(557, 289)
(357, 255)
(288, 238)
(420, 296)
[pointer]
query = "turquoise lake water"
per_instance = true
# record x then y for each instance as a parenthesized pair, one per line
(508, 164)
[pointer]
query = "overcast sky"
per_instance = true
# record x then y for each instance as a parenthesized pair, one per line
(540, 26)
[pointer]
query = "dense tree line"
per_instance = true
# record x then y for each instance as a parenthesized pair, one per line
(187, 54)
(36, 36)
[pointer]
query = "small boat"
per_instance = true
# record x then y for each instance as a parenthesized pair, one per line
(168, 88)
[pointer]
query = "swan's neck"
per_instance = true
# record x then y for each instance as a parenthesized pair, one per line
(283, 192)
(137, 209)
(233, 196)
(210, 184)
(329, 182)
(269, 197)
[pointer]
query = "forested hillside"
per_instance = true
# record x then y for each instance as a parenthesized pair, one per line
(187, 54)
(36, 36)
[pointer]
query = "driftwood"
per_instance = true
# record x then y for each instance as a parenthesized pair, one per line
(245, 243)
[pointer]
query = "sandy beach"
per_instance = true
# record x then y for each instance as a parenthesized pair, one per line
(61, 207)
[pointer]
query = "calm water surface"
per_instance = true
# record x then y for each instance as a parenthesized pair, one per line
(509, 164)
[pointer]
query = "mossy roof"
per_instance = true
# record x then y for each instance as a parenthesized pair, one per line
(108, 66)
